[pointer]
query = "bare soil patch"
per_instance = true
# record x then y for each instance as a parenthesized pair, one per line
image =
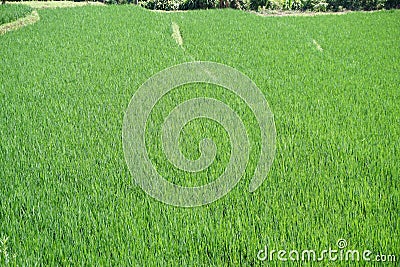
(55, 4)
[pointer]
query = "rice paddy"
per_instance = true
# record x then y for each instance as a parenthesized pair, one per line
(68, 198)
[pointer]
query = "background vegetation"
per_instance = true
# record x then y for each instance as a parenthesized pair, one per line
(297, 5)
(293, 5)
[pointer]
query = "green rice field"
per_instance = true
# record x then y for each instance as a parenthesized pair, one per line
(10, 13)
(67, 197)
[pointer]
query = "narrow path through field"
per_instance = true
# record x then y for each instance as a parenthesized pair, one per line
(34, 16)
(319, 48)
(19, 23)
(55, 4)
(176, 34)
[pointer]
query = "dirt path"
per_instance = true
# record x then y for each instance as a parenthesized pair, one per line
(34, 16)
(19, 23)
(55, 4)
(277, 13)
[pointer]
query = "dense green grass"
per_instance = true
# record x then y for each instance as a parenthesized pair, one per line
(67, 196)
(10, 13)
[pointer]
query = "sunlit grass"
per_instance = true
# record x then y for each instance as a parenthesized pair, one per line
(10, 13)
(67, 197)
